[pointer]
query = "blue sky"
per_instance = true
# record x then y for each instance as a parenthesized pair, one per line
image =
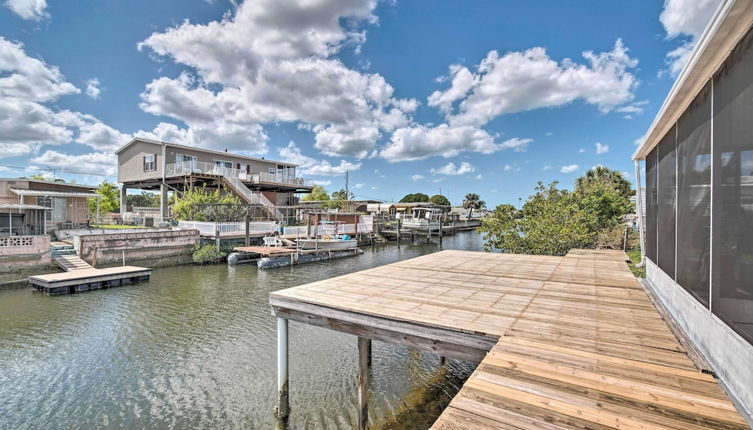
(408, 96)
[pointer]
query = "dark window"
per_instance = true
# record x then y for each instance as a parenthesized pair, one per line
(651, 205)
(732, 230)
(667, 189)
(694, 196)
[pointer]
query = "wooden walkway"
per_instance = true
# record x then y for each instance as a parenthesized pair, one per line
(573, 342)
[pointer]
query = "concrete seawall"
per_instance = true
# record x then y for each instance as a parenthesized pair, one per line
(152, 249)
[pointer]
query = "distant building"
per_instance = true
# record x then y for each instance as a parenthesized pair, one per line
(153, 165)
(34, 207)
(698, 241)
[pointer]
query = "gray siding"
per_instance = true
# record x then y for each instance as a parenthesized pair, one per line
(131, 162)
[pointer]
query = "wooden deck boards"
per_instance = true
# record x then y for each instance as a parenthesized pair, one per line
(579, 343)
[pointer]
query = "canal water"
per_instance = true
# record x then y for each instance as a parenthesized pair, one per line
(195, 347)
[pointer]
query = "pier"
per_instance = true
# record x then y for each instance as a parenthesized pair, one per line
(83, 279)
(561, 342)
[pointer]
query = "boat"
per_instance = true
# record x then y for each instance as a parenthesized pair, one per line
(423, 219)
(327, 244)
(329, 239)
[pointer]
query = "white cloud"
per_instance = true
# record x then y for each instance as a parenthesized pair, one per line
(359, 185)
(28, 78)
(273, 62)
(15, 149)
(685, 19)
(601, 148)
(632, 108)
(420, 141)
(321, 182)
(516, 144)
(92, 88)
(416, 177)
(33, 10)
(639, 140)
(379, 173)
(570, 168)
(93, 162)
(479, 177)
(521, 81)
(581, 150)
(547, 167)
(509, 168)
(451, 169)
(311, 166)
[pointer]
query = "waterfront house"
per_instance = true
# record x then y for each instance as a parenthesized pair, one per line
(34, 207)
(270, 186)
(698, 240)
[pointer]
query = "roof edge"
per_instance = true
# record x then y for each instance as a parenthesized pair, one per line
(723, 32)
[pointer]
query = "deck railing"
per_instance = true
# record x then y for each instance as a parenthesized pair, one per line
(188, 167)
(210, 228)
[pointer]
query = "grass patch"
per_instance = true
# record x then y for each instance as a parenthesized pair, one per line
(635, 258)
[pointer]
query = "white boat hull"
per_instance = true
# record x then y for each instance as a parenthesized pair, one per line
(420, 225)
(327, 244)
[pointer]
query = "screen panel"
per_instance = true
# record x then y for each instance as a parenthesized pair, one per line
(651, 205)
(694, 197)
(732, 182)
(667, 189)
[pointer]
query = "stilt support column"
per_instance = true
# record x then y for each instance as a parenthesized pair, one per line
(364, 379)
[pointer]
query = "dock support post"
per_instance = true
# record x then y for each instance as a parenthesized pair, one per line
(441, 227)
(364, 377)
(123, 201)
(398, 231)
(283, 401)
(217, 238)
(248, 232)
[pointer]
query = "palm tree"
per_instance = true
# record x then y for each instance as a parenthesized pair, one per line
(473, 201)
(605, 174)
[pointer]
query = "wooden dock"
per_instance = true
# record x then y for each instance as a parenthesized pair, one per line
(83, 279)
(563, 342)
(270, 257)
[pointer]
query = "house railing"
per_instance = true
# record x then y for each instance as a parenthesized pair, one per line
(210, 228)
(328, 229)
(188, 167)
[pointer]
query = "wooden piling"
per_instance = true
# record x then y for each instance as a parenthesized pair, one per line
(441, 227)
(248, 231)
(364, 377)
(398, 231)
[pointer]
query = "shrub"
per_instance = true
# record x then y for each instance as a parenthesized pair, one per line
(207, 254)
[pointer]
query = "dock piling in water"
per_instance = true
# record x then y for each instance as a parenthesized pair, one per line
(364, 380)
(283, 405)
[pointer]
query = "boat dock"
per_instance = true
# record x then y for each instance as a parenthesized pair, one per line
(270, 257)
(562, 342)
(86, 279)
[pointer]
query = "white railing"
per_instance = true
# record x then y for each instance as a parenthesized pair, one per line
(188, 167)
(328, 229)
(211, 228)
(254, 197)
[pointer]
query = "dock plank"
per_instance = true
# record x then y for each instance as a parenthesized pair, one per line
(578, 342)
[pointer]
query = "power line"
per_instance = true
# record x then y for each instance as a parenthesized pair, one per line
(55, 170)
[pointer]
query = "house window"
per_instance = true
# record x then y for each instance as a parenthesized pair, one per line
(150, 163)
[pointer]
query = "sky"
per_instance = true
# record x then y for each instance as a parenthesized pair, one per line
(406, 96)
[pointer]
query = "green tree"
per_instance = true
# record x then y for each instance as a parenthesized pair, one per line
(201, 204)
(38, 177)
(415, 198)
(339, 200)
(440, 200)
(318, 193)
(109, 200)
(604, 194)
(144, 200)
(551, 222)
(472, 201)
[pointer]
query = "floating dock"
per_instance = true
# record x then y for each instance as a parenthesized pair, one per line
(270, 257)
(86, 279)
(562, 342)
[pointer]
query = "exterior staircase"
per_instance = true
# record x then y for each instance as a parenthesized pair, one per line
(61, 248)
(71, 263)
(252, 197)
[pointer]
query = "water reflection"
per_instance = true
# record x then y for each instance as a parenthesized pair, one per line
(195, 347)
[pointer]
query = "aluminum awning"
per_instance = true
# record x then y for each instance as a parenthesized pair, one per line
(45, 193)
